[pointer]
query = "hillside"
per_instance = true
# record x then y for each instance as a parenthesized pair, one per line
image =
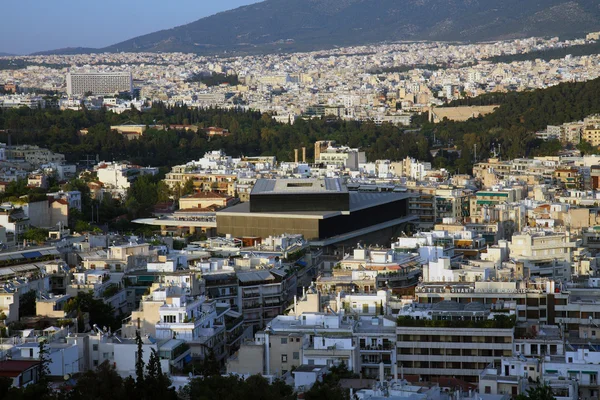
(297, 25)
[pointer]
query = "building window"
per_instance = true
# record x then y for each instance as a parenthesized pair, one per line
(283, 340)
(284, 358)
(296, 355)
(311, 362)
(27, 376)
(488, 390)
(169, 318)
(95, 347)
(95, 363)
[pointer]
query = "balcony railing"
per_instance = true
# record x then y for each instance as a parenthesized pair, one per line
(232, 324)
(379, 347)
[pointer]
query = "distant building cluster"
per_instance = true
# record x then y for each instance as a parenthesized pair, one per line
(393, 82)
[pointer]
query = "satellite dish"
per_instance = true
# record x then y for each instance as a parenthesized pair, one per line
(190, 375)
(67, 377)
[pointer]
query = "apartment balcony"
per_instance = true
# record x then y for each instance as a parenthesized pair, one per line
(176, 326)
(311, 352)
(252, 320)
(217, 337)
(442, 358)
(374, 363)
(231, 325)
(455, 345)
(253, 306)
(423, 206)
(273, 304)
(184, 325)
(178, 358)
(442, 371)
(377, 348)
(558, 245)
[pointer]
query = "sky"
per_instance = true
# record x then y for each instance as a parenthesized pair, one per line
(28, 26)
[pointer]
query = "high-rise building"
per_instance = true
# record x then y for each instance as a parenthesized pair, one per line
(99, 83)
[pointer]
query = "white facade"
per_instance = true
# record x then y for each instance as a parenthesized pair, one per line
(99, 83)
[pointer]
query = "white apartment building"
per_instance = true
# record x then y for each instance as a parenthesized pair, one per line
(309, 339)
(119, 176)
(169, 313)
(451, 347)
(545, 254)
(342, 157)
(99, 83)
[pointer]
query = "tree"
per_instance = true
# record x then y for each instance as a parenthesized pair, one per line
(100, 313)
(27, 304)
(44, 369)
(322, 391)
(163, 192)
(156, 382)
(37, 235)
(188, 187)
(542, 392)
(102, 383)
(220, 387)
(330, 387)
(139, 361)
(207, 367)
(83, 226)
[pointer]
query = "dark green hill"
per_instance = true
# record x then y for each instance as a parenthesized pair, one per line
(297, 25)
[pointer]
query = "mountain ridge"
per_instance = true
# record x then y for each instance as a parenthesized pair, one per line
(301, 25)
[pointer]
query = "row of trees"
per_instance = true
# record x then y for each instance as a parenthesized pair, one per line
(510, 129)
(252, 134)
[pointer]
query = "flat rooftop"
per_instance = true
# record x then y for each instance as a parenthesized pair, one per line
(358, 201)
(299, 186)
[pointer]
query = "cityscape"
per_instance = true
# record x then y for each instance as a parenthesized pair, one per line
(410, 219)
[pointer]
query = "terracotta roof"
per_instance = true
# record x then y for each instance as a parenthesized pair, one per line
(13, 368)
(212, 207)
(207, 195)
(61, 201)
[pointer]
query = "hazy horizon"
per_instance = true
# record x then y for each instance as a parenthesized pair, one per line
(65, 24)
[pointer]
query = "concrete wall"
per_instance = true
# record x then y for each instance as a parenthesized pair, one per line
(246, 225)
(248, 360)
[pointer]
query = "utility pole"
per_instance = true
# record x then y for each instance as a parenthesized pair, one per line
(475, 146)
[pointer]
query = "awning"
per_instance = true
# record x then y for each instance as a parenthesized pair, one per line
(32, 254)
(146, 278)
(589, 372)
(551, 371)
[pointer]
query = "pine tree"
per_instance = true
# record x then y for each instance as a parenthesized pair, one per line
(139, 362)
(44, 369)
